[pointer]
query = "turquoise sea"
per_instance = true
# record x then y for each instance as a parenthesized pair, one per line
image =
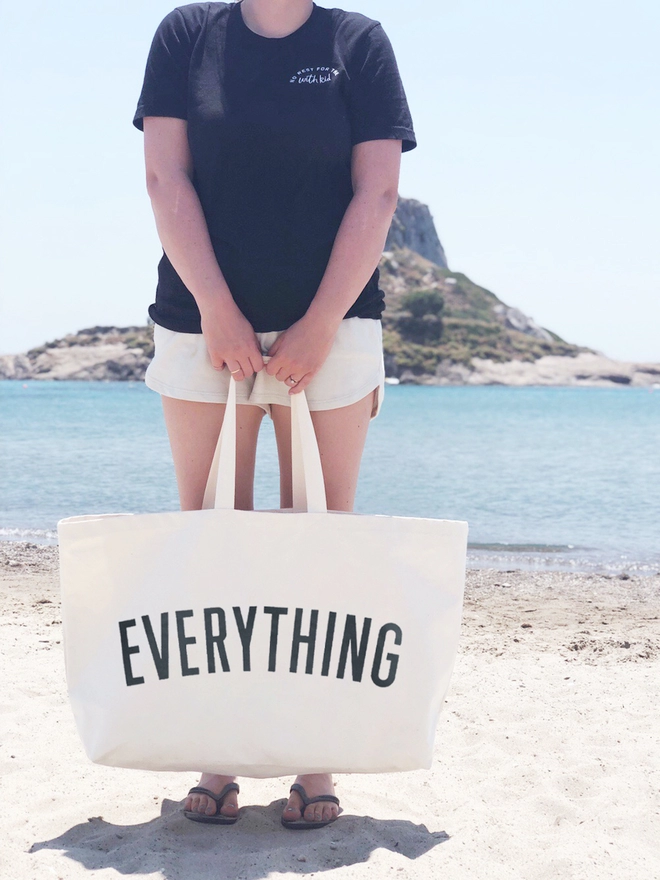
(549, 478)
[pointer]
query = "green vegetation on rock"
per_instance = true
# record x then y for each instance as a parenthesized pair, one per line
(435, 316)
(420, 319)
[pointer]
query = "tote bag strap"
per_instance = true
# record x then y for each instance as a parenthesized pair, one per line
(308, 485)
(221, 482)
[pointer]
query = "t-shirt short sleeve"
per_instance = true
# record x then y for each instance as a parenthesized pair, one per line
(165, 87)
(377, 102)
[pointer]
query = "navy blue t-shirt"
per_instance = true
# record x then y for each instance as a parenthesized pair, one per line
(271, 124)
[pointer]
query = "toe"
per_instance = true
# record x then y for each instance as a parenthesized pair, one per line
(292, 810)
(321, 812)
(208, 806)
(313, 813)
(230, 805)
(202, 804)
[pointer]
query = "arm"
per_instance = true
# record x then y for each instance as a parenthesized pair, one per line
(302, 349)
(184, 235)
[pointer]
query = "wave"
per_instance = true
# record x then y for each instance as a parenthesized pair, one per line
(561, 557)
(35, 536)
(523, 548)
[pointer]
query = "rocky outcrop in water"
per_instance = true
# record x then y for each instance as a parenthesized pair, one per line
(439, 328)
(587, 369)
(413, 228)
(98, 353)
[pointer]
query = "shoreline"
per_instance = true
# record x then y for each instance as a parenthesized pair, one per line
(489, 557)
(586, 370)
(545, 756)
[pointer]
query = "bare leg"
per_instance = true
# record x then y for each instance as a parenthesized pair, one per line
(193, 429)
(341, 434)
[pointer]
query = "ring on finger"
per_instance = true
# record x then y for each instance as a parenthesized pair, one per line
(233, 372)
(292, 381)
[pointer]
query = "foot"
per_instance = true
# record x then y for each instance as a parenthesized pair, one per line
(202, 803)
(314, 785)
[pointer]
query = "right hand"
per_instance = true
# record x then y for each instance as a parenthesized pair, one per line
(231, 341)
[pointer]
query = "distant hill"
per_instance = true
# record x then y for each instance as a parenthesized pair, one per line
(456, 320)
(439, 328)
(442, 328)
(97, 353)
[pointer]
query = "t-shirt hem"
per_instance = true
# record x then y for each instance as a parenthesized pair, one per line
(176, 326)
(406, 135)
(156, 111)
(183, 327)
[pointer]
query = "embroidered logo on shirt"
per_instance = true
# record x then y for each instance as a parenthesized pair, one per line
(314, 75)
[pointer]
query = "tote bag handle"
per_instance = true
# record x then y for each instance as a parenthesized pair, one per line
(308, 485)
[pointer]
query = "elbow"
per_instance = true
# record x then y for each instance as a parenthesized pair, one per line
(152, 181)
(155, 182)
(390, 199)
(163, 184)
(378, 203)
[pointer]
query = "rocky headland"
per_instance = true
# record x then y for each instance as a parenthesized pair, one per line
(439, 329)
(98, 353)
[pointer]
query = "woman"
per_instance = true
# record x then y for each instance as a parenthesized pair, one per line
(273, 136)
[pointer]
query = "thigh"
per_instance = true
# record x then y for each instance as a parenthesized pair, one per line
(193, 429)
(340, 434)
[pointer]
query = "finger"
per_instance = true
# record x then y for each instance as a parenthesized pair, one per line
(246, 366)
(256, 362)
(283, 373)
(273, 365)
(273, 351)
(236, 370)
(300, 386)
(218, 364)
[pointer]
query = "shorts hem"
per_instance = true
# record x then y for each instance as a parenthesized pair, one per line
(349, 399)
(221, 396)
(193, 396)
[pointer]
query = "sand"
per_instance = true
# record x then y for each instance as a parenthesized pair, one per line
(547, 760)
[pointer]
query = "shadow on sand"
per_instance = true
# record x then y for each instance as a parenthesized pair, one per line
(252, 849)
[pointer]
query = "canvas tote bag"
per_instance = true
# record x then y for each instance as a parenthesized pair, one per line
(260, 643)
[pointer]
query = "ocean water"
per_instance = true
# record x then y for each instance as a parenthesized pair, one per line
(547, 478)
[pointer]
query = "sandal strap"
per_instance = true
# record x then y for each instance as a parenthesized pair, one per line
(328, 798)
(218, 798)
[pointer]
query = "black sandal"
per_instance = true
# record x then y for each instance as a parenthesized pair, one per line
(302, 824)
(217, 818)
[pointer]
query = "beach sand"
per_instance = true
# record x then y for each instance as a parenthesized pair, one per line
(547, 761)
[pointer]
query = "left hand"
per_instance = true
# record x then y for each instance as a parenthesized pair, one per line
(300, 352)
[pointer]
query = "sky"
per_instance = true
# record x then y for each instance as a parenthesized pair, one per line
(538, 155)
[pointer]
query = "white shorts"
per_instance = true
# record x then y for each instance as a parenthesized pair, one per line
(181, 368)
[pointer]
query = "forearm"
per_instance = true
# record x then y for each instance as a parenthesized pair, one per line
(185, 238)
(355, 255)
